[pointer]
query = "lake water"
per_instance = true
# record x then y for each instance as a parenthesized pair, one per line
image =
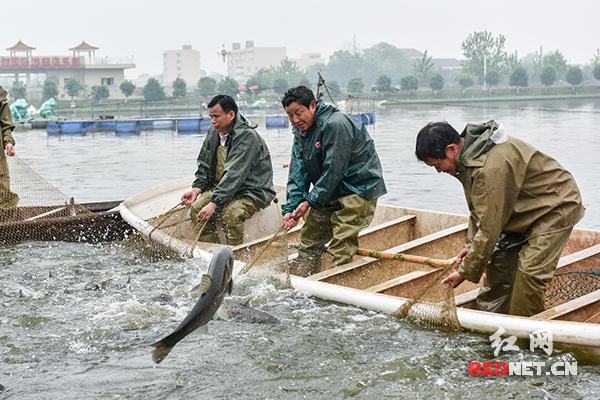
(60, 339)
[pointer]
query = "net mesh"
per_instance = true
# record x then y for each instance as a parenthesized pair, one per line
(568, 286)
(433, 305)
(177, 241)
(271, 260)
(33, 209)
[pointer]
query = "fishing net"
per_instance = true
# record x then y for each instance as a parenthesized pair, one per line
(271, 260)
(568, 286)
(33, 209)
(433, 305)
(173, 236)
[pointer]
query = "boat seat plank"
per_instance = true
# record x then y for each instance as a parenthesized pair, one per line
(403, 248)
(381, 237)
(579, 309)
(399, 281)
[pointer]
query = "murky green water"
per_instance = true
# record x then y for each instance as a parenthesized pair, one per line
(72, 314)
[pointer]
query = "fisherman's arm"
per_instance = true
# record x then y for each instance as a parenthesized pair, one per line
(493, 201)
(297, 185)
(337, 144)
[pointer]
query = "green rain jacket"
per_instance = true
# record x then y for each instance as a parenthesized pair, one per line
(337, 156)
(510, 187)
(6, 123)
(248, 170)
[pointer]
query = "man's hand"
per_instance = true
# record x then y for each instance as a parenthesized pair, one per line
(10, 149)
(288, 221)
(454, 279)
(461, 256)
(300, 210)
(207, 211)
(291, 219)
(189, 197)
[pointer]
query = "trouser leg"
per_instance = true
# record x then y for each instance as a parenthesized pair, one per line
(339, 224)
(233, 217)
(315, 233)
(537, 263)
(209, 233)
(8, 199)
(355, 213)
(496, 291)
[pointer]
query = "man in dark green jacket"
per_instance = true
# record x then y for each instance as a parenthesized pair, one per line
(335, 171)
(523, 206)
(8, 199)
(234, 178)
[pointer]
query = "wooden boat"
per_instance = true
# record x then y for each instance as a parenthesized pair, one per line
(385, 285)
(69, 222)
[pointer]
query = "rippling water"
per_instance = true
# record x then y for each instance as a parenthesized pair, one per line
(73, 314)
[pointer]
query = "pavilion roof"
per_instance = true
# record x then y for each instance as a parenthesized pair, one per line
(20, 46)
(84, 46)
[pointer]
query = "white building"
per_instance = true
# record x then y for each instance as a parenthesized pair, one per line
(243, 63)
(184, 63)
(308, 60)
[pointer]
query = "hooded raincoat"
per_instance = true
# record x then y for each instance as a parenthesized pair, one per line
(337, 156)
(6, 123)
(248, 171)
(510, 187)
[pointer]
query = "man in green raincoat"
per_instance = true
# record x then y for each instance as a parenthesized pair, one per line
(8, 199)
(335, 171)
(234, 178)
(523, 206)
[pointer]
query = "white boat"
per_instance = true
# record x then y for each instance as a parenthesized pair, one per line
(385, 285)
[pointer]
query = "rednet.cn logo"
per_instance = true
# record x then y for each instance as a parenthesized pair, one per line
(541, 339)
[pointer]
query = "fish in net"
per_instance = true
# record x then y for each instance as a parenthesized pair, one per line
(568, 286)
(271, 260)
(33, 209)
(433, 305)
(173, 235)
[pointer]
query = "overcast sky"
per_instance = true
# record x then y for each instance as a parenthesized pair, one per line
(145, 29)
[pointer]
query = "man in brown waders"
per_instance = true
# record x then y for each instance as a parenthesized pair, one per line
(8, 199)
(234, 178)
(335, 171)
(523, 206)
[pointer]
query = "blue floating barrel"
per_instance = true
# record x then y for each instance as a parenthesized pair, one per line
(205, 124)
(90, 126)
(127, 128)
(167, 124)
(53, 128)
(188, 125)
(367, 118)
(108, 125)
(72, 127)
(146, 124)
(277, 122)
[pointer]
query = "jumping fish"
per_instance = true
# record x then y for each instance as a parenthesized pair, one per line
(215, 283)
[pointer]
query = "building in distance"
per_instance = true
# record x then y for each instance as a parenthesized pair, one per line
(184, 64)
(21, 66)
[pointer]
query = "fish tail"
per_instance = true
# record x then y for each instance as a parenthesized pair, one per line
(160, 351)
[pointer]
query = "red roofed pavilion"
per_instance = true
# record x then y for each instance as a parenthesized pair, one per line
(20, 47)
(84, 48)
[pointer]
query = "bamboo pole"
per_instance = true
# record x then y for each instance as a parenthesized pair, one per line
(432, 262)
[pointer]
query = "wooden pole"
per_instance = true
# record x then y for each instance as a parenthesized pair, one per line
(406, 257)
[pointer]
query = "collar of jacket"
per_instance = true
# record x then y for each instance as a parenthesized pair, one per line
(3, 94)
(239, 125)
(322, 112)
(473, 152)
